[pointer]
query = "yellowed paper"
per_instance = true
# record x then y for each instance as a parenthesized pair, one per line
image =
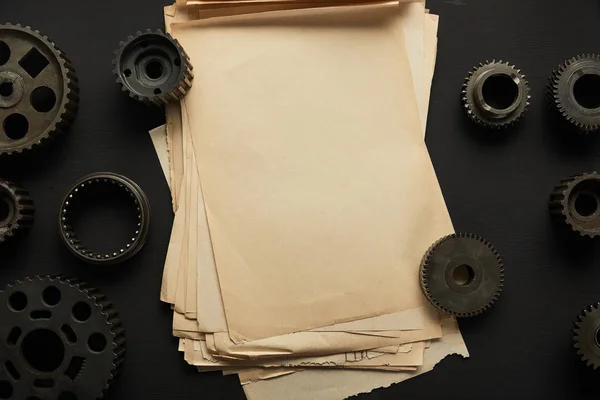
(159, 141)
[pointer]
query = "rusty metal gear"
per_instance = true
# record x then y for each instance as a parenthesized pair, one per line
(16, 211)
(574, 91)
(575, 203)
(153, 68)
(495, 94)
(462, 275)
(587, 336)
(39, 92)
(60, 339)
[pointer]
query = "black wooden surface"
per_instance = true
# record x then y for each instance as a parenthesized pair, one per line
(497, 188)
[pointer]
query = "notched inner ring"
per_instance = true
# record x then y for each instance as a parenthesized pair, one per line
(498, 94)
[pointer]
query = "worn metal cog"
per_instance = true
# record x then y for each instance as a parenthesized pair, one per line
(462, 275)
(495, 94)
(575, 203)
(16, 210)
(574, 91)
(39, 92)
(587, 335)
(60, 340)
(153, 68)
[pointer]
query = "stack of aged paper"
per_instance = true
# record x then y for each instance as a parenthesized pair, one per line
(304, 195)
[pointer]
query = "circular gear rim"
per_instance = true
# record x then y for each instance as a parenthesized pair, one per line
(174, 93)
(472, 86)
(562, 99)
(429, 272)
(562, 204)
(103, 319)
(21, 211)
(69, 103)
(584, 336)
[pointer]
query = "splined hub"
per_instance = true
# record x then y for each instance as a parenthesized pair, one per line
(16, 211)
(574, 91)
(495, 94)
(60, 340)
(575, 203)
(587, 336)
(462, 275)
(38, 89)
(153, 68)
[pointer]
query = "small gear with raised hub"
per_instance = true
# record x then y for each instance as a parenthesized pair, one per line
(60, 340)
(575, 204)
(574, 91)
(462, 275)
(16, 211)
(587, 336)
(153, 68)
(495, 94)
(39, 92)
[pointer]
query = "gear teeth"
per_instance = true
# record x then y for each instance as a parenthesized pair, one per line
(584, 336)
(177, 92)
(559, 204)
(468, 96)
(23, 208)
(560, 97)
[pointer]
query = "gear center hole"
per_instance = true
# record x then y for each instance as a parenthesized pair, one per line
(586, 204)
(500, 91)
(154, 69)
(6, 89)
(43, 350)
(587, 91)
(6, 211)
(463, 275)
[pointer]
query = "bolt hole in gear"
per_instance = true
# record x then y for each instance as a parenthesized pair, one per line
(495, 94)
(462, 275)
(153, 68)
(574, 92)
(587, 336)
(575, 204)
(60, 357)
(105, 218)
(16, 211)
(38, 89)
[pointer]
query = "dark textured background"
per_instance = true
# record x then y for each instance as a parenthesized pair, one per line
(497, 187)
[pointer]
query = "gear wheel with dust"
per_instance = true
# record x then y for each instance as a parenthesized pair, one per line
(495, 94)
(60, 339)
(587, 335)
(153, 68)
(16, 211)
(462, 275)
(575, 203)
(39, 91)
(574, 91)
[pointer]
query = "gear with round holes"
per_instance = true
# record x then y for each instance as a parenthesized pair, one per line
(39, 92)
(587, 336)
(575, 204)
(60, 338)
(462, 275)
(574, 91)
(16, 211)
(153, 68)
(76, 199)
(495, 94)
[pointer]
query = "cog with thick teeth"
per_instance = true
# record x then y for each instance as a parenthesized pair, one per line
(16, 211)
(495, 94)
(39, 92)
(575, 203)
(60, 339)
(587, 335)
(153, 68)
(574, 91)
(462, 275)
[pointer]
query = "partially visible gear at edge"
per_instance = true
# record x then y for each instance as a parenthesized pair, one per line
(462, 275)
(495, 94)
(574, 92)
(16, 211)
(587, 334)
(52, 113)
(575, 203)
(153, 68)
